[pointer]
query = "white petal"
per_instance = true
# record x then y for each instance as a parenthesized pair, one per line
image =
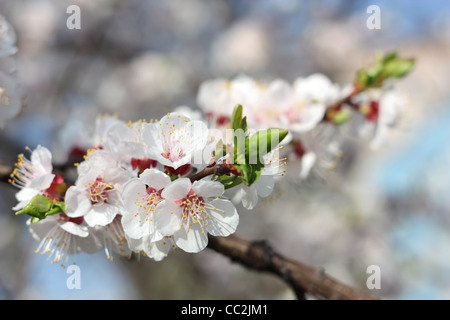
(41, 182)
(96, 163)
(173, 120)
(155, 178)
(117, 175)
(20, 205)
(249, 197)
(157, 250)
(135, 226)
(115, 199)
(193, 241)
(86, 176)
(160, 250)
(310, 118)
(41, 228)
(264, 185)
(167, 218)
(26, 194)
(152, 139)
(198, 134)
(208, 189)
(177, 190)
(77, 202)
(135, 244)
(131, 191)
(224, 220)
(74, 228)
(308, 161)
(101, 215)
(41, 157)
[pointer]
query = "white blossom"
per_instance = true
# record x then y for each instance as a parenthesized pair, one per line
(175, 139)
(96, 195)
(190, 211)
(141, 197)
(32, 176)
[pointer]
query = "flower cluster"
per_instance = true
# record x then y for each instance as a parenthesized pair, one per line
(150, 187)
(316, 111)
(144, 187)
(10, 96)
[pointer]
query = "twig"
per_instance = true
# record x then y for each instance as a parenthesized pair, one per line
(302, 278)
(216, 169)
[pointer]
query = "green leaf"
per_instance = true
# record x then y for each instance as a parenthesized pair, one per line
(244, 124)
(37, 207)
(246, 172)
(229, 181)
(264, 141)
(240, 146)
(40, 207)
(250, 173)
(236, 117)
(388, 57)
(221, 149)
(386, 66)
(237, 121)
(398, 68)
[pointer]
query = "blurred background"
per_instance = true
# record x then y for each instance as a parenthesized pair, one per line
(140, 59)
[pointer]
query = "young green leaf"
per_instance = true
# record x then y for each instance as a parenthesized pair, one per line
(398, 68)
(236, 117)
(264, 141)
(40, 207)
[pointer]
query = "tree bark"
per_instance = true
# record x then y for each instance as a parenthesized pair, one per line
(303, 279)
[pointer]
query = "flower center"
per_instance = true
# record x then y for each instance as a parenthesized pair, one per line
(147, 203)
(175, 141)
(173, 152)
(99, 190)
(194, 210)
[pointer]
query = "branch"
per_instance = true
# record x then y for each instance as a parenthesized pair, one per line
(216, 169)
(302, 278)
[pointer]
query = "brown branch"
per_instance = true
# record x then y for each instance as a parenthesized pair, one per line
(301, 277)
(215, 169)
